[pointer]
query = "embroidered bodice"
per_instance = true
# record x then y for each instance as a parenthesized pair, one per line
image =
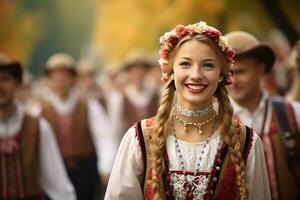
(126, 180)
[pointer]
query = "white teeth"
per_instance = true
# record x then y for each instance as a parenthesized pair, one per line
(196, 87)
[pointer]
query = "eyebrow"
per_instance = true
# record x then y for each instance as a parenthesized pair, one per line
(208, 59)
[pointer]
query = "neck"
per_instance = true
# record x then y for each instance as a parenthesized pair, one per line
(252, 103)
(63, 95)
(7, 111)
(139, 86)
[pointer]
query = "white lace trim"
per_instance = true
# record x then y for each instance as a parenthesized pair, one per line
(182, 184)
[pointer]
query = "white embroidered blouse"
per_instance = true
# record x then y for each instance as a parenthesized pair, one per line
(127, 174)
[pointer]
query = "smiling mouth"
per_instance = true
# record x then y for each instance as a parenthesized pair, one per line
(195, 89)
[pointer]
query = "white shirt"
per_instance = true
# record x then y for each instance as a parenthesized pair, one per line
(99, 125)
(127, 174)
(53, 177)
(255, 119)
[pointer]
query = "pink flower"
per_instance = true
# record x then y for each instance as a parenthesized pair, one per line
(164, 77)
(180, 30)
(190, 31)
(164, 68)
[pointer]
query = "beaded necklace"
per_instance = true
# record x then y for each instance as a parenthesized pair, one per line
(199, 124)
(189, 186)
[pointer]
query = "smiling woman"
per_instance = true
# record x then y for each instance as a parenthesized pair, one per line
(192, 150)
(196, 73)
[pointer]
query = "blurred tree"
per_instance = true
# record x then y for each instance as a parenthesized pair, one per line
(66, 28)
(122, 25)
(281, 20)
(32, 30)
(17, 33)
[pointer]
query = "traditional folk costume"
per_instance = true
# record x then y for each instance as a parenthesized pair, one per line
(277, 121)
(31, 164)
(139, 105)
(82, 130)
(131, 106)
(215, 178)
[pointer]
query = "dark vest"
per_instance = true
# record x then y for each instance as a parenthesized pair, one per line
(223, 181)
(133, 114)
(20, 169)
(72, 131)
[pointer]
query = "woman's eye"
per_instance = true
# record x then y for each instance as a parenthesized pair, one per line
(184, 64)
(209, 65)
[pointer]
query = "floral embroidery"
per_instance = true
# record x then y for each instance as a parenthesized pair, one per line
(196, 186)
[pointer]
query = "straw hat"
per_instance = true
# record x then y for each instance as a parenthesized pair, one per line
(246, 45)
(85, 66)
(60, 61)
(13, 67)
(136, 57)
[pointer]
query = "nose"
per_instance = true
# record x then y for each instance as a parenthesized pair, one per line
(196, 74)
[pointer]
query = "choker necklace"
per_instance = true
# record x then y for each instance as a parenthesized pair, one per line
(197, 113)
(199, 124)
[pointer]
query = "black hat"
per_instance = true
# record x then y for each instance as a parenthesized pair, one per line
(12, 67)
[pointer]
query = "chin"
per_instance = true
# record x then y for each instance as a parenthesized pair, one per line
(197, 102)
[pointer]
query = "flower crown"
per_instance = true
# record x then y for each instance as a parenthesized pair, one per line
(170, 39)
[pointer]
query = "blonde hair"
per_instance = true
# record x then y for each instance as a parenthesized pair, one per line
(224, 119)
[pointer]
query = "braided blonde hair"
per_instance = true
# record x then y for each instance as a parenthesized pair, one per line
(159, 138)
(224, 121)
(230, 138)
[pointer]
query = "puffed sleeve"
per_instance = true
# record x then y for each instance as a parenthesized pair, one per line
(257, 175)
(126, 176)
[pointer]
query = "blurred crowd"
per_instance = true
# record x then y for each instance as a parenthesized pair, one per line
(98, 104)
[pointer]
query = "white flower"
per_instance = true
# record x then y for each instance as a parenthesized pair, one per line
(223, 43)
(201, 27)
(163, 38)
(162, 61)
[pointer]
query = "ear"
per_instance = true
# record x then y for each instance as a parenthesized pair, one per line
(261, 68)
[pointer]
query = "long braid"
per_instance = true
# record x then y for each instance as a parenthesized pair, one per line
(231, 139)
(159, 138)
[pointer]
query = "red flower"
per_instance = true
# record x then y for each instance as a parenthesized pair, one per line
(164, 54)
(167, 46)
(164, 68)
(229, 54)
(172, 40)
(213, 33)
